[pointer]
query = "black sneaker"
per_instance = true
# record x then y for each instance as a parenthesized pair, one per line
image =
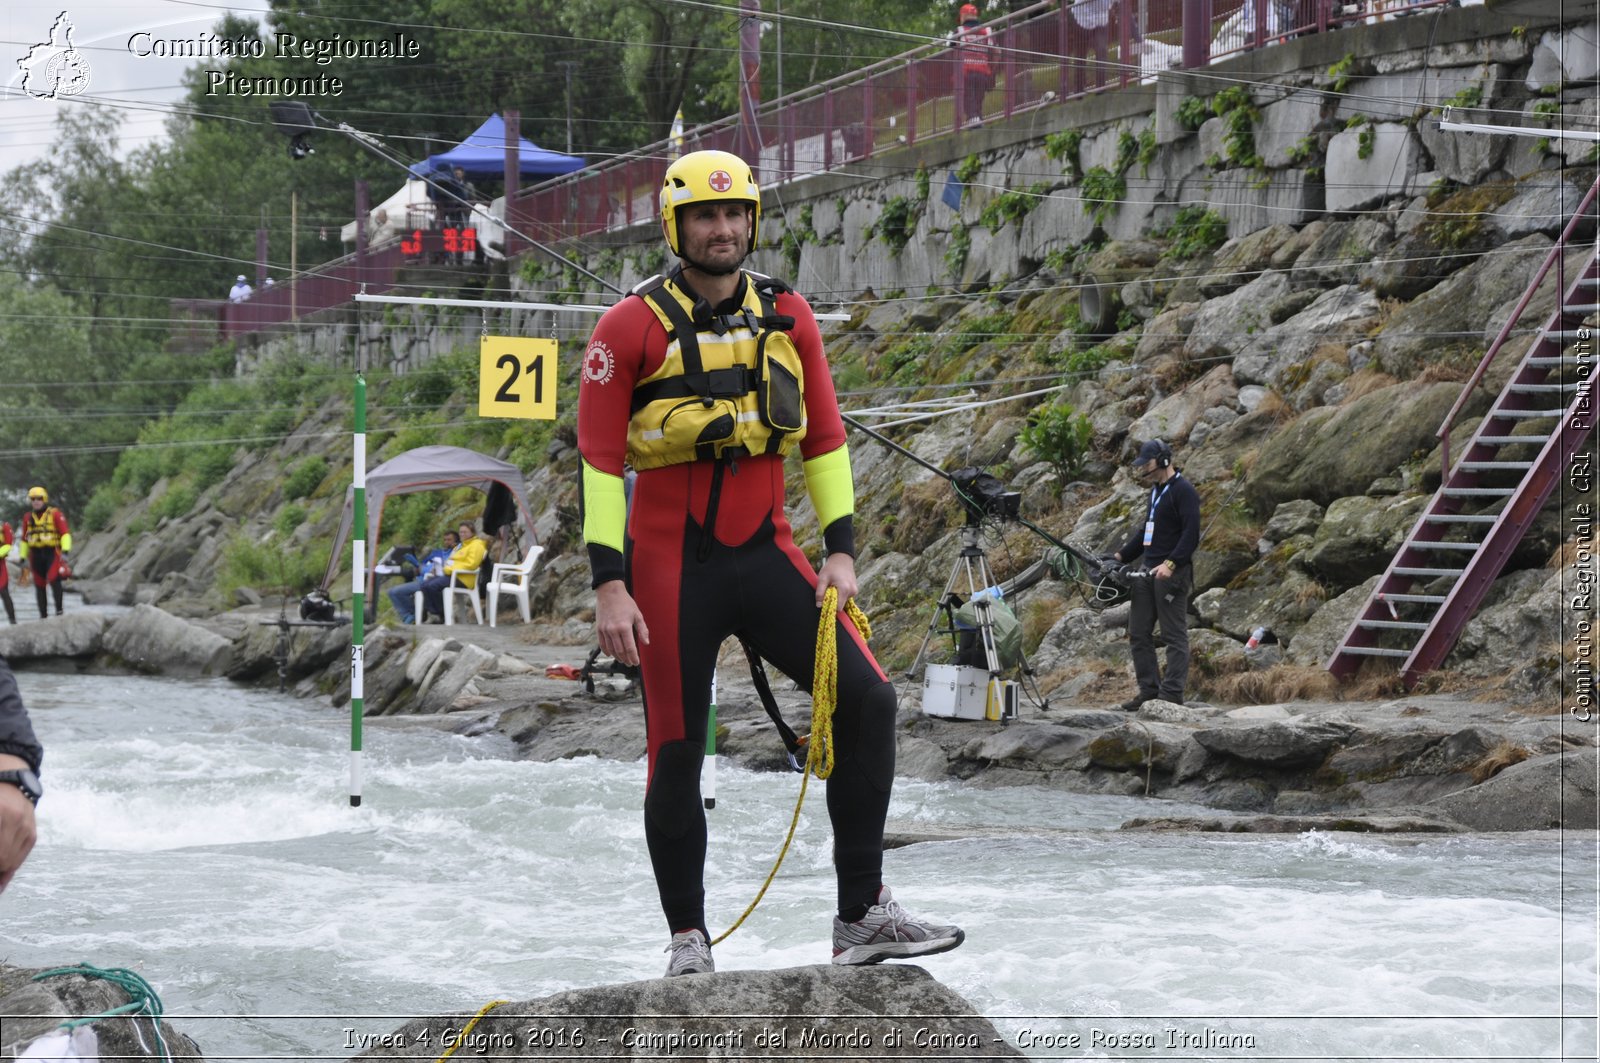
(1133, 704)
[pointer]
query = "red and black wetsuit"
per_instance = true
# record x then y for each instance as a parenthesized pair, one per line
(707, 555)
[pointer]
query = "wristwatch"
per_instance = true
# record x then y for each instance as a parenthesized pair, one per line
(26, 781)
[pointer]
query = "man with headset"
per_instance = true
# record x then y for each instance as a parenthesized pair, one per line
(1164, 545)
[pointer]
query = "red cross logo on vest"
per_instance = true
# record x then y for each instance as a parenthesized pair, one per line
(719, 181)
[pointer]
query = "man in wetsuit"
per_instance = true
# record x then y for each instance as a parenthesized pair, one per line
(46, 541)
(702, 381)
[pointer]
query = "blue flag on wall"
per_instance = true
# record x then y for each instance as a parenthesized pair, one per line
(952, 191)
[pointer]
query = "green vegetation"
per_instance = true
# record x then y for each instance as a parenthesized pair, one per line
(269, 566)
(897, 222)
(1365, 141)
(1060, 435)
(955, 256)
(1063, 148)
(1342, 71)
(1192, 112)
(1147, 151)
(1195, 230)
(1239, 115)
(976, 330)
(969, 169)
(1103, 191)
(924, 185)
(288, 519)
(1012, 206)
(306, 477)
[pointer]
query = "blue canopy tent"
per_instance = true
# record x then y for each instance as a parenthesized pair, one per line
(483, 155)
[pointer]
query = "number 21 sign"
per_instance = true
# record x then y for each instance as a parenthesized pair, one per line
(517, 378)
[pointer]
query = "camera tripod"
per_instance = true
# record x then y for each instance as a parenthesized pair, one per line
(982, 590)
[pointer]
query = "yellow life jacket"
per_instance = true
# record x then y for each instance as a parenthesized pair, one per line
(730, 385)
(39, 529)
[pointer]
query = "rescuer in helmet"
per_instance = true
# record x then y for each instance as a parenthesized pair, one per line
(702, 380)
(46, 541)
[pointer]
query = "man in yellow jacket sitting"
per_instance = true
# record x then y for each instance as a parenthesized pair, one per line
(463, 563)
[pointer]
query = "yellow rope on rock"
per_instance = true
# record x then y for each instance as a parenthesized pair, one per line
(462, 1037)
(819, 744)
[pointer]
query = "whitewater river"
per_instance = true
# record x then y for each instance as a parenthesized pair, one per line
(201, 834)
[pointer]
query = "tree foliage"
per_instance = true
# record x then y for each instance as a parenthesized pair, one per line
(98, 243)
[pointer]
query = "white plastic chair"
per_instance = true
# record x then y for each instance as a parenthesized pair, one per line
(450, 593)
(513, 580)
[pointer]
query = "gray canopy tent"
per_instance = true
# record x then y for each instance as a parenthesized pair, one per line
(436, 468)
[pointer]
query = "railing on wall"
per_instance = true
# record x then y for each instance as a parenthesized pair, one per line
(1044, 54)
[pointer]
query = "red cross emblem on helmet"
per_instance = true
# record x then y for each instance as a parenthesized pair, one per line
(719, 181)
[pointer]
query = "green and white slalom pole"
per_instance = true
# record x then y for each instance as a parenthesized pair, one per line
(708, 779)
(358, 596)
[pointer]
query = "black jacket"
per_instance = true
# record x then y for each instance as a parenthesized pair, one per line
(1177, 525)
(16, 733)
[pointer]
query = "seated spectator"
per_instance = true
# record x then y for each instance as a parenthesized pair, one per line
(463, 563)
(430, 567)
(240, 291)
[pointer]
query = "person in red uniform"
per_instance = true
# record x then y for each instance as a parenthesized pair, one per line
(701, 381)
(7, 541)
(46, 541)
(977, 75)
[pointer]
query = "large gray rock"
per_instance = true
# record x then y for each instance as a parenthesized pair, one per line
(821, 1012)
(35, 1009)
(1564, 56)
(1465, 158)
(1340, 250)
(1389, 169)
(1330, 453)
(1523, 626)
(152, 640)
(450, 676)
(1276, 744)
(1539, 794)
(1318, 637)
(1176, 415)
(1359, 534)
(1225, 326)
(1410, 338)
(71, 635)
(1337, 318)
(1544, 204)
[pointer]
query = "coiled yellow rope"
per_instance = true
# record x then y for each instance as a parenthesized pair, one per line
(462, 1037)
(819, 744)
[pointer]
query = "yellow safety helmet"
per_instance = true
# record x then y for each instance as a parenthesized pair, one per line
(707, 177)
(39, 493)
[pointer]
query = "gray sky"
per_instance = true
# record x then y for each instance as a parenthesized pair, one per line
(143, 86)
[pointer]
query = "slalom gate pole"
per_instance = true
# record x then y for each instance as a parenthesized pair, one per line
(709, 779)
(358, 596)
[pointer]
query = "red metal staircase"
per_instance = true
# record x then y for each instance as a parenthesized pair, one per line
(1462, 540)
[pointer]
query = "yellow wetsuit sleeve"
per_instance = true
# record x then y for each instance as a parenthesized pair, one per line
(22, 550)
(66, 543)
(833, 496)
(603, 509)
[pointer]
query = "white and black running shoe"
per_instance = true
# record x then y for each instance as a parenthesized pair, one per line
(889, 932)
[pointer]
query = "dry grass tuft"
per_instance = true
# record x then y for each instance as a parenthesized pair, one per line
(1497, 760)
(1275, 406)
(1444, 372)
(1364, 383)
(1283, 682)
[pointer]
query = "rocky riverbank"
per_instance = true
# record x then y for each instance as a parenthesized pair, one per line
(1423, 762)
